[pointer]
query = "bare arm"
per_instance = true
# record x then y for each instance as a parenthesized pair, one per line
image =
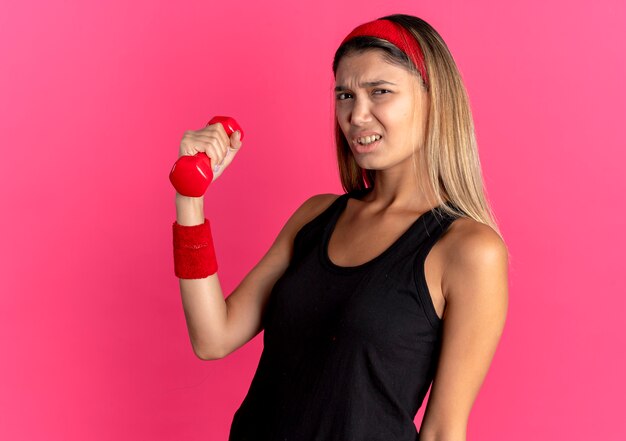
(476, 290)
(203, 301)
(219, 326)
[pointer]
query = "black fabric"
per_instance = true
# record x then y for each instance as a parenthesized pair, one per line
(349, 352)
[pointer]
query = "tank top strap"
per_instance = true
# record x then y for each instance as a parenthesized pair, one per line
(308, 236)
(334, 210)
(339, 203)
(436, 225)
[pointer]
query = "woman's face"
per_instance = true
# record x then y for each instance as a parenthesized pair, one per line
(375, 98)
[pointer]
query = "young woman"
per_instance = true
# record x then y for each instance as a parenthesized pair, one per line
(368, 297)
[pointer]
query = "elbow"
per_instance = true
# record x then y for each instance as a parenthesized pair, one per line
(208, 355)
(204, 357)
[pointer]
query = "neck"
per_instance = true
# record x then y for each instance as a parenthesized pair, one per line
(401, 190)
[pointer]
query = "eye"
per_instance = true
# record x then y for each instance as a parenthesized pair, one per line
(342, 96)
(382, 91)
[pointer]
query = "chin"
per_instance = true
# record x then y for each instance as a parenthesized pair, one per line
(370, 165)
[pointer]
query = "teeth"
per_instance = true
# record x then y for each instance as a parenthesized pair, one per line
(368, 139)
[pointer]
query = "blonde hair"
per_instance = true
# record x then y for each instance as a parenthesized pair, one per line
(450, 149)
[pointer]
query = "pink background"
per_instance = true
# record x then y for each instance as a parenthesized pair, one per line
(94, 99)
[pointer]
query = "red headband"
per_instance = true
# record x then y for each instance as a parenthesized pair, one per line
(396, 34)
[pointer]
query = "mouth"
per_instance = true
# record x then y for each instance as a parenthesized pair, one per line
(368, 146)
(366, 140)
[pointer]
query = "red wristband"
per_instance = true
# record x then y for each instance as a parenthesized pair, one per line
(194, 254)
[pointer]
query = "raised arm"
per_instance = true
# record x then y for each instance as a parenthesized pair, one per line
(219, 326)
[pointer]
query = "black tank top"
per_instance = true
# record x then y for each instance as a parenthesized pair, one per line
(348, 352)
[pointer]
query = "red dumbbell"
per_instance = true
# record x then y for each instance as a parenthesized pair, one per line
(191, 175)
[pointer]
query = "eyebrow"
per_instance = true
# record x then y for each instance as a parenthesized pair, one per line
(367, 84)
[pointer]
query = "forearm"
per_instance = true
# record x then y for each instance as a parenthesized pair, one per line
(428, 435)
(203, 300)
(189, 211)
(442, 438)
(442, 430)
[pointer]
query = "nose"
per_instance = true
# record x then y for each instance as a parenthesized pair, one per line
(360, 113)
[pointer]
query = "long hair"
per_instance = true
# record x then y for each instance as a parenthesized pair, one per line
(450, 149)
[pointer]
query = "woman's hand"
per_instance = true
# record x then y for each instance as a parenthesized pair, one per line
(213, 141)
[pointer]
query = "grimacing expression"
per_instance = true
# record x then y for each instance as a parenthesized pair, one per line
(376, 98)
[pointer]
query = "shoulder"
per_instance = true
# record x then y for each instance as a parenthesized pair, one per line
(306, 212)
(315, 205)
(319, 202)
(309, 210)
(474, 252)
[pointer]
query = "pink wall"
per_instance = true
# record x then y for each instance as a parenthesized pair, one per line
(94, 100)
